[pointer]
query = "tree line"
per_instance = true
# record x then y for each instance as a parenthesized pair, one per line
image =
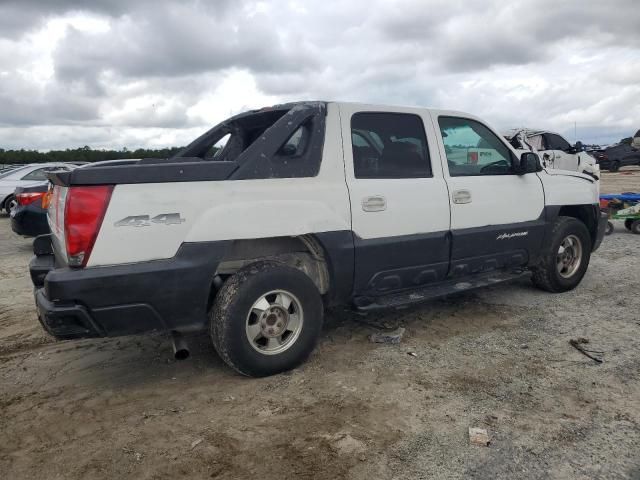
(82, 154)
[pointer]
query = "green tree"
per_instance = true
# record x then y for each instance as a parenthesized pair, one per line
(81, 154)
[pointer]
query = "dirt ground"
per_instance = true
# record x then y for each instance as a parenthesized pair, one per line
(498, 359)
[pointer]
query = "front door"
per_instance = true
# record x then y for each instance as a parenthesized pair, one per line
(399, 199)
(497, 216)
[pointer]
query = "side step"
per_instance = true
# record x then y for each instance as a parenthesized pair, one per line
(429, 292)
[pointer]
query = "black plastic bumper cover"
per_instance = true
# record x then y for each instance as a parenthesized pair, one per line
(169, 294)
(602, 226)
(29, 221)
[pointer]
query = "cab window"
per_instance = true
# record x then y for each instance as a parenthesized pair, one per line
(472, 149)
(389, 145)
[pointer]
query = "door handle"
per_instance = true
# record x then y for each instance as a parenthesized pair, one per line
(461, 196)
(376, 203)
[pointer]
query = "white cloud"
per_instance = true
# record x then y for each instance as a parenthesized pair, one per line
(143, 73)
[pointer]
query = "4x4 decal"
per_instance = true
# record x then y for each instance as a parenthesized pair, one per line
(145, 220)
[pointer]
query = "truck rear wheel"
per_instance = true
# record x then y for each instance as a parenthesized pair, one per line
(635, 227)
(614, 167)
(266, 319)
(565, 260)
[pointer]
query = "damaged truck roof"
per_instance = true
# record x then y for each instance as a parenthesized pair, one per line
(255, 137)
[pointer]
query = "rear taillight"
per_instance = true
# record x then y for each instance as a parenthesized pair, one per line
(83, 214)
(472, 158)
(27, 198)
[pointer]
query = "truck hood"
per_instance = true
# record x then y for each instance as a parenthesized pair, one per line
(562, 187)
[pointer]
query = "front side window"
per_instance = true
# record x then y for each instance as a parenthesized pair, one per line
(556, 142)
(389, 145)
(472, 149)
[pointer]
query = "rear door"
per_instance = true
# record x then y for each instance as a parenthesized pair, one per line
(497, 216)
(399, 200)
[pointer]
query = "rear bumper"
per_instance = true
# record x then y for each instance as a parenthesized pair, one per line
(170, 294)
(29, 222)
(602, 226)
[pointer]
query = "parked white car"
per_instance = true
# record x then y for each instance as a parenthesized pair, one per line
(554, 150)
(26, 176)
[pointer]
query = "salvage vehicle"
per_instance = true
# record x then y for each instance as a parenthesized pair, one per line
(25, 176)
(555, 151)
(307, 206)
(617, 156)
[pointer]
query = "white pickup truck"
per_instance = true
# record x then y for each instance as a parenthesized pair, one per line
(307, 206)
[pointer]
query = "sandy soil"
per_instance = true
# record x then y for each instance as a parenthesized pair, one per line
(497, 359)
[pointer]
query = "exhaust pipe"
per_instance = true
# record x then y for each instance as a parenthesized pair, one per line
(180, 347)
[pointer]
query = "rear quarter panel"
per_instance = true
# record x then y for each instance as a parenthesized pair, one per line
(226, 210)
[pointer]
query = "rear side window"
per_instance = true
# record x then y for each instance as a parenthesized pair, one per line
(389, 145)
(39, 174)
(472, 149)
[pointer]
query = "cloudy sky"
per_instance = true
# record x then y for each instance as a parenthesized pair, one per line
(151, 73)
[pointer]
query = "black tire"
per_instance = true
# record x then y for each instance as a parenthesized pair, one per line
(8, 202)
(609, 229)
(635, 227)
(546, 275)
(233, 304)
(627, 223)
(614, 167)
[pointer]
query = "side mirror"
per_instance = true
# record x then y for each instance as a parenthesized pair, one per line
(529, 163)
(579, 147)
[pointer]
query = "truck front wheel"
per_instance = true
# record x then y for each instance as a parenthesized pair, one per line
(565, 260)
(266, 319)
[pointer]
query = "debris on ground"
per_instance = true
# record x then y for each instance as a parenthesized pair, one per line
(137, 455)
(578, 343)
(413, 354)
(393, 337)
(195, 443)
(478, 436)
